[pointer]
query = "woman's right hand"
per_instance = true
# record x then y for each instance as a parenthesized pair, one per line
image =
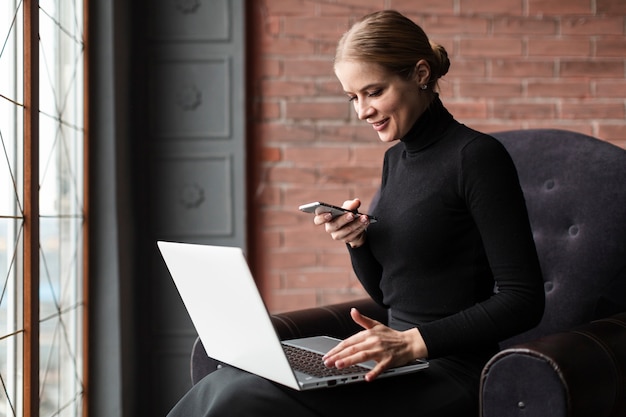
(345, 228)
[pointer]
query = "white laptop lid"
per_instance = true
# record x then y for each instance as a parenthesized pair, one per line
(226, 308)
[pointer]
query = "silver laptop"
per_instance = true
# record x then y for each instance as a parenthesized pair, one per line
(234, 325)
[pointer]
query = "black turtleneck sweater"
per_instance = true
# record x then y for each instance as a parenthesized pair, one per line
(452, 223)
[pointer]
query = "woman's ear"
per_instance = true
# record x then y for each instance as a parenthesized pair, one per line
(422, 72)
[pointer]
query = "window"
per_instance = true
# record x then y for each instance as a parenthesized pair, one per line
(42, 303)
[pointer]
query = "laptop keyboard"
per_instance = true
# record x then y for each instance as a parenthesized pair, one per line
(311, 363)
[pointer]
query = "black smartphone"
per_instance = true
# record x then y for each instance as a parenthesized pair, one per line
(318, 207)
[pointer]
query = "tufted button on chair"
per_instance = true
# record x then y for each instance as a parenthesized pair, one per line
(574, 362)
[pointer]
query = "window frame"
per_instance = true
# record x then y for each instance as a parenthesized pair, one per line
(30, 250)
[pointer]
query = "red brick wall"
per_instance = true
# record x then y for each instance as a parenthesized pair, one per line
(515, 64)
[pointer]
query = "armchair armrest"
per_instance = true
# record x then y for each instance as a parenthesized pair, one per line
(581, 372)
(332, 320)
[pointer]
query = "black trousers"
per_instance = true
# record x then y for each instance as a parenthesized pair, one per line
(448, 388)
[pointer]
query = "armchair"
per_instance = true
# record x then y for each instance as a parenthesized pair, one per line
(574, 362)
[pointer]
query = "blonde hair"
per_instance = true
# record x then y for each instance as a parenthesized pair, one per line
(393, 41)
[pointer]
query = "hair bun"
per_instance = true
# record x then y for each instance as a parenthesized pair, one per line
(442, 59)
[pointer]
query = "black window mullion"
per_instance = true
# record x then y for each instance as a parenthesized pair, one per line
(31, 208)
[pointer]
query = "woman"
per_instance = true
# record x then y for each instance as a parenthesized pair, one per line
(452, 255)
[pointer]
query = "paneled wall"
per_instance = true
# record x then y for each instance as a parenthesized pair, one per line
(194, 142)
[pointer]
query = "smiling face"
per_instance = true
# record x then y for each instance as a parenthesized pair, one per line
(389, 103)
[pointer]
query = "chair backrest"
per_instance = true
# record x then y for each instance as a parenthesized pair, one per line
(575, 190)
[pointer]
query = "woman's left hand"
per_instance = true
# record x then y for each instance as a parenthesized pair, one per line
(388, 347)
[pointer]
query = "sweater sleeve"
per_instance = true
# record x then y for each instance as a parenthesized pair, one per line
(368, 270)
(364, 264)
(489, 184)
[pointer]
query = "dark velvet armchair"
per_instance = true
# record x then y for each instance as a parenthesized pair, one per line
(574, 362)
